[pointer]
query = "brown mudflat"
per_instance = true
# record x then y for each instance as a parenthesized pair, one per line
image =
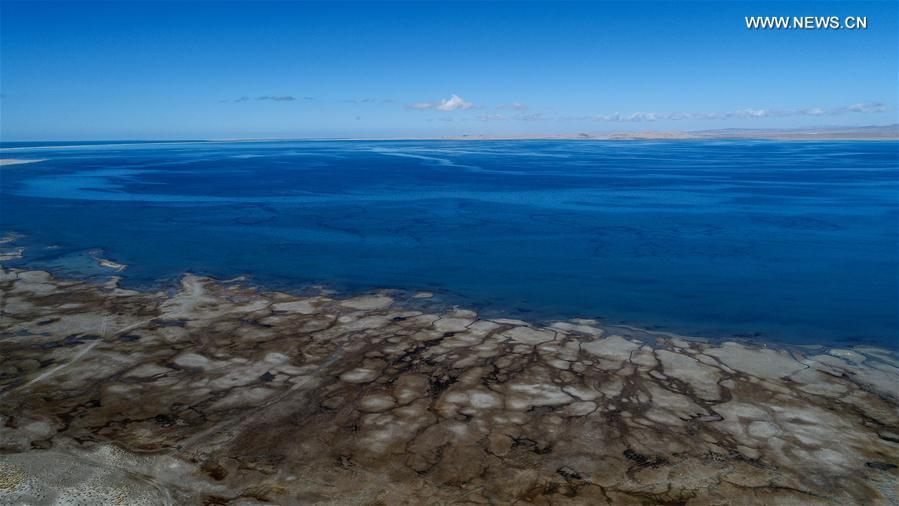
(223, 394)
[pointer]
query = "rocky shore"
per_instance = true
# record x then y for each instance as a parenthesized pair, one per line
(220, 393)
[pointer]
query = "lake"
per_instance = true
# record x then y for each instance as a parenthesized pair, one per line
(781, 241)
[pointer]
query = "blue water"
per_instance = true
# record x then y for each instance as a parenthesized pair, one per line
(792, 241)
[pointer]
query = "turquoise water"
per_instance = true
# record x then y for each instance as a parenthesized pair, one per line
(784, 241)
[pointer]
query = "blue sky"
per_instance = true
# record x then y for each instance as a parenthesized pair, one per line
(79, 70)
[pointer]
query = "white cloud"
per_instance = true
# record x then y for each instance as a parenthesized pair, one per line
(277, 98)
(813, 111)
(454, 103)
(537, 116)
(518, 117)
(754, 113)
(514, 106)
(868, 108)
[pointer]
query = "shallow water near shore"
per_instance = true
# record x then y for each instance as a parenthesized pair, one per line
(781, 241)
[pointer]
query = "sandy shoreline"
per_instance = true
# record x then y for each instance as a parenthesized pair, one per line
(223, 391)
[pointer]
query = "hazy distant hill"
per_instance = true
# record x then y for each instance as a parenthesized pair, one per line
(864, 132)
(874, 132)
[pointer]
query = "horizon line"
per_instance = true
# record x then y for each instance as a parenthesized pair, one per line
(889, 132)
